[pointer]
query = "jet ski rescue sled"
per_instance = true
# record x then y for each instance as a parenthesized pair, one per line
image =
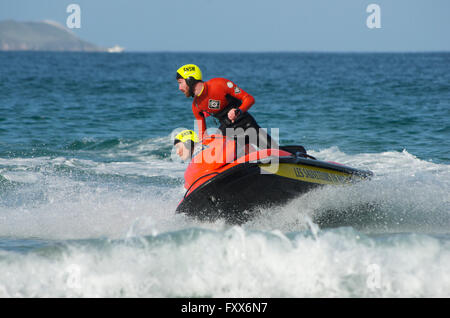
(221, 186)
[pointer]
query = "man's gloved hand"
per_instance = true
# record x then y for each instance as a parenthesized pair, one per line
(233, 114)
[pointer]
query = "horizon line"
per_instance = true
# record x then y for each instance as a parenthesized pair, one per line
(246, 52)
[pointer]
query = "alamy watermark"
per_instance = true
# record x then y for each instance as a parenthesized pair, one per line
(373, 281)
(374, 19)
(74, 19)
(73, 276)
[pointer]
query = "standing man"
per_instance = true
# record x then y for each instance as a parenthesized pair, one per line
(222, 99)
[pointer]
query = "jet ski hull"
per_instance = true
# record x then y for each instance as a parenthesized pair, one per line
(234, 193)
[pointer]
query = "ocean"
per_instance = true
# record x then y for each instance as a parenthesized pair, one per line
(89, 182)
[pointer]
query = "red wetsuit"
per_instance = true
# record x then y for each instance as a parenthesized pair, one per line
(218, 96)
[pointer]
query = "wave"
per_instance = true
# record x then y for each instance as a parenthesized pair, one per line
(117, 147)
(232, 262)
(92, 144)
(406, 194)
(104, 228)
(81, 198)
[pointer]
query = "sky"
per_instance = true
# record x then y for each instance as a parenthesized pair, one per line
(249, 25)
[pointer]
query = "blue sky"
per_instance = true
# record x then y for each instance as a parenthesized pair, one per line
(249, 25)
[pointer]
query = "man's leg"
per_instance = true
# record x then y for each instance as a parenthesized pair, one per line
(264, 140)
(247, 122)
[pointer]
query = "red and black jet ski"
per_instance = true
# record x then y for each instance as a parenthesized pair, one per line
(221, 183)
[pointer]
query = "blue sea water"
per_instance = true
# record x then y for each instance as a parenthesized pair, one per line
(89, 183)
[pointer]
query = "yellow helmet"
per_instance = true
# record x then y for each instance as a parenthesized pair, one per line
(192, 74)
(186, 136)
(189, 70)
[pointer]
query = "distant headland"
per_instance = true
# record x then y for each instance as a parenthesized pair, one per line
(44, 36)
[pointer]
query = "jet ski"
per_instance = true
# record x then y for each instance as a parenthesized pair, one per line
(225, 181)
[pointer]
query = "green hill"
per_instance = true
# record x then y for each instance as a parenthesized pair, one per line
(41, 36)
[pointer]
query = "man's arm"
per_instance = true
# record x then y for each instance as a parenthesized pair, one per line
(246, 99)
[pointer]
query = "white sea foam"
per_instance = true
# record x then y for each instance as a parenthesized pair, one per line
(386, 163)
(406, 194)
(281, 253)
(235, 263)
